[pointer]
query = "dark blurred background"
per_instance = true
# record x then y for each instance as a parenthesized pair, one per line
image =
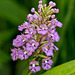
(13, 13)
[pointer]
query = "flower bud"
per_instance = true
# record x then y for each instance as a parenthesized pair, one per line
(53, 16)
(39, 11)
(52, 4)
(40, 2)
(39, 6)
(33, 10)
(44, 5)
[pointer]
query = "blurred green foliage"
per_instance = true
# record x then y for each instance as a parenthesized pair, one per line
(13, 13)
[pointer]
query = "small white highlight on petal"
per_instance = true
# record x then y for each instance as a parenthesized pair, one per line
(46, 49)
(52, 35)
(45, 61)
(43, 28)
(31, 32)
(33, 65)
(25, 52)
(24, 40)
(33, 44)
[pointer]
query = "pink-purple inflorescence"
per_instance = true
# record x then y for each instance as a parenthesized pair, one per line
(38, 37)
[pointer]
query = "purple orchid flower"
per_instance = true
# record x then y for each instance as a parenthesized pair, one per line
(47, 50)
(24, 26)
(32, 45)
(46, 63)
(20, 40)
(17, 53)
(26, 53)
(43, 29)
(34, 66)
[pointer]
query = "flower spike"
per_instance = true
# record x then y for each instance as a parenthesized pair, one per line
(38, 37)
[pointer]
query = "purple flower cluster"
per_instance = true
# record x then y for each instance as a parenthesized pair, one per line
(38, 36)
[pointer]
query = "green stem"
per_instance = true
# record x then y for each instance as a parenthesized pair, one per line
(42, 56)
(43, 38)
(42, 8)
(38, 14)
(34, 24)
(45, 42)
(29, 73)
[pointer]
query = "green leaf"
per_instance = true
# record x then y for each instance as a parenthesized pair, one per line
(64, 69)
(13, 12)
